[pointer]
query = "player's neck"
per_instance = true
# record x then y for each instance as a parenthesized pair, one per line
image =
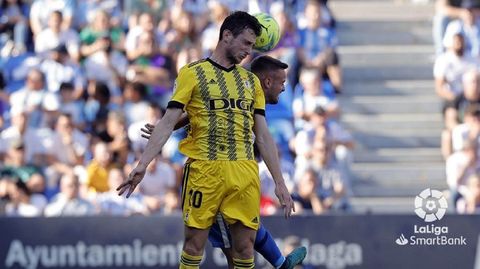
(221, 60)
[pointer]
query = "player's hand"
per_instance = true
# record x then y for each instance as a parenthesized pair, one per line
(147, 130)
(133, 180)
(285, 199)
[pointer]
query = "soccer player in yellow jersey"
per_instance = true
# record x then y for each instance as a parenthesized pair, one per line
(224, 103)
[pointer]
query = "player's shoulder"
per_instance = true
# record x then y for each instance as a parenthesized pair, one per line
(196, 63)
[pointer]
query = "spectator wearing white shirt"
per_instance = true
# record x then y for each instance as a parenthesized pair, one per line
(146, 24)
(54, 35)
(470, 203)
(68, 151)
(459, 167)
(42, 9)
(59, 69)
(20, 202)
(68, 202)
(31, 98)
(312, 97)
(451, 65)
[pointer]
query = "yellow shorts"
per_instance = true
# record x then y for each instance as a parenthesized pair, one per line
(229, 187)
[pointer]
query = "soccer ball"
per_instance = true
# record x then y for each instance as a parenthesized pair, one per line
(270, 34)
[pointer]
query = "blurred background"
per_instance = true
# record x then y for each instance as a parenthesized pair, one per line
(382, 101)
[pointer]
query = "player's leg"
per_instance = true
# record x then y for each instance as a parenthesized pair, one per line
(193, 247)
(219, 236)
(241, 210)
(243, 238)
(266, 246)
(201, 197)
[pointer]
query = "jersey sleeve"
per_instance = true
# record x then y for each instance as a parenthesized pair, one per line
(183, 88)
(259, 105)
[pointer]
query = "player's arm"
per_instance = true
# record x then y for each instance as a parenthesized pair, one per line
(147, 130)
(268, 151)
(159, 137)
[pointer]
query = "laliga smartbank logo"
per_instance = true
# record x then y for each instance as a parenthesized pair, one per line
(430, 206)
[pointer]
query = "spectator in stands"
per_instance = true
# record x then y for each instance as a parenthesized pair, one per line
(135, 104)
(459, 167)
(218, 12)
(310, 95)
(316, 46)
(110, 203)
(71, 104)
(332, 186)
(16, 166)
(183, 39)
(450, 66)
(99, 168)
(320, 127)
(138, 143)
(132, 10)
(68, 153)
(100, 35)
(42, 9)
(160, 182)
(20, 202)
(286, 49)
(58, 69)
(470, 203)
(146, 24)
(20, 131)
(306, 198)
(31, 98)
(97, 106)
(469, 130)
(108, 66)
(445, 12)
(13, 26)
(455, 112)
(54, 35)
(87, 11)
(116, 137)
(68, 202)
(269, 203)
(153, 69)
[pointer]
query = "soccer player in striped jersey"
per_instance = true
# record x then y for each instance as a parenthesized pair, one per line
(272, 75)
(225, 105)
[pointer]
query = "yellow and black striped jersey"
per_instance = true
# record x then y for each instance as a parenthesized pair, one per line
(220, 104)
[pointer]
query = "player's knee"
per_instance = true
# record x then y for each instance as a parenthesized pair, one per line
(194, 244)
(243, 247)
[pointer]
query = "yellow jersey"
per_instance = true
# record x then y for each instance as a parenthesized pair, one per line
(220, 104)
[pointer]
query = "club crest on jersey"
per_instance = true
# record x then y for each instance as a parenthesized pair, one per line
(247, 84)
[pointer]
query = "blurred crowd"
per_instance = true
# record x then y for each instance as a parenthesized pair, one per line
(456, 32)
(81, 78)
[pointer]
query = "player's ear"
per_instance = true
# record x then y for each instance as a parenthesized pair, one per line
(227, 36)
(268, 82)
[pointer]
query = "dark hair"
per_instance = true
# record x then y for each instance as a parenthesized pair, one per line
(473, 110)
(58, 13)
(66, 86)
(140, 88)
(237, 21)
(102, 93)
(264, 63)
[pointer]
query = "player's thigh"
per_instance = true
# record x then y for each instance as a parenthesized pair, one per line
(202, 193)
(219, 235)
(242, 202)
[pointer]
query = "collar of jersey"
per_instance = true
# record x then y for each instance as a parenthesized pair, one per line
(221, 66)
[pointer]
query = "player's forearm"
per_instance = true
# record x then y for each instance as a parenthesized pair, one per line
(269, 153)
(159, 137)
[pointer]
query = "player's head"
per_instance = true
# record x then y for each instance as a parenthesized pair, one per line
(272, 75)
(238, 34)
